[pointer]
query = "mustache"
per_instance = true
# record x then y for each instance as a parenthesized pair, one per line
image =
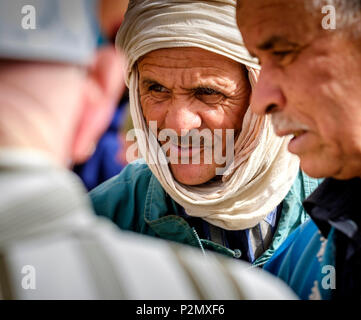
(281, 122)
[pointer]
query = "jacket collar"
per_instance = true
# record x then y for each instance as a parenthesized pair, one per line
(159, 216)
(336, 203)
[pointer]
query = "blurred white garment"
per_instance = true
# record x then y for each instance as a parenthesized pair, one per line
(47, 226)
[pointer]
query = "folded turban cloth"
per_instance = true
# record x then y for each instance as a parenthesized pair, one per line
(263, 170)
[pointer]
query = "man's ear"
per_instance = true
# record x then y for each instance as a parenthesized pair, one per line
(103, 86)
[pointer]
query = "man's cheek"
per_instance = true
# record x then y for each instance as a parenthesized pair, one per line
(151, 114)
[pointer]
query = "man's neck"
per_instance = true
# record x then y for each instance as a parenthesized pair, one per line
(26, 127)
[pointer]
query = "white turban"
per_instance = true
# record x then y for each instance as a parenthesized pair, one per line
(263, 170)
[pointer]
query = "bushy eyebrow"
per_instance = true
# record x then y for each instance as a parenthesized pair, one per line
(149, 82)
(214, 89)
(274, 41)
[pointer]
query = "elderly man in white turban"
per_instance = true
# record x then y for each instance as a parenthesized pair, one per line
(189, 71)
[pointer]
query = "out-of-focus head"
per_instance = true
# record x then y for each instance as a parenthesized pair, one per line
(57, 90)
(310, 53)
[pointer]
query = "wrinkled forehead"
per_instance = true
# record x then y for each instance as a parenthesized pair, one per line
(190, 66)
(262, 20)
(186, 57)
(272, 9)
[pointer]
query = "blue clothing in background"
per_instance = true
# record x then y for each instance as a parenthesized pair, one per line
(103, 164)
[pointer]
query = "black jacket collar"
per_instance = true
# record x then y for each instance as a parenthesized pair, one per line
(337, 203)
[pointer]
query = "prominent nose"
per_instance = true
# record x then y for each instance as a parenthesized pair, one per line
(267, 97)
(182, 115)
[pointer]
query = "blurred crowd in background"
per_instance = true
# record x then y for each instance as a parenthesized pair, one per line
(109, 155)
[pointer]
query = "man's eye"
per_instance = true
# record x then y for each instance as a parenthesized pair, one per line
(285, 56)
(281, 53)
(209, 95)
(159, 92)
(157, 88)
(206, 91)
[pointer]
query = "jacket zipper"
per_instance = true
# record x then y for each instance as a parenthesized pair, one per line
(199, 240)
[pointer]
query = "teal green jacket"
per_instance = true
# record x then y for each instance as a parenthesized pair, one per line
(136, 201)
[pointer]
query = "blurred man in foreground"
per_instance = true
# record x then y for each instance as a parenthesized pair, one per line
(57, 93)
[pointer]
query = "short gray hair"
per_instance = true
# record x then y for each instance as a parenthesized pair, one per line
(348, 12)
